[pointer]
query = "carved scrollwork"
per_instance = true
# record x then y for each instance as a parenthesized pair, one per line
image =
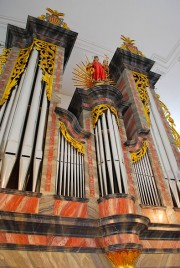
(76, 144)
(142, 83)
(47, 59)
(170, 121)
(4, 57)
(18, 69)
(100, 109)
(136, 156)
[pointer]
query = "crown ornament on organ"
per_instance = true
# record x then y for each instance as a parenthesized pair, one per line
(55, 17)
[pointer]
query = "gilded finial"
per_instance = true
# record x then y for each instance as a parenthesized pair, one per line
(129, 45)
(54, 17)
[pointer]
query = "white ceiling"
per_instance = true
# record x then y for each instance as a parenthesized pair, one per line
(153, 24)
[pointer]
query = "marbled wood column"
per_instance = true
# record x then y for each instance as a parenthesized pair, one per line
(7, 69)
(91, 183)
(47, 189)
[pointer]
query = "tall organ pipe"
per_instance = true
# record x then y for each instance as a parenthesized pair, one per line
(38, 154)
(14, 138)
(8, 122)
(29, 136)
(108, 152)
(116, 159)
(120, 153)
(99, 162)
(101, 148)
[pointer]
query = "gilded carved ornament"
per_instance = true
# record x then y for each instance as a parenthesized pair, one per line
(4, 57)
(100, 109)
(123, 258)
(129, 45)
(46, 63)
(136, 156)
(142, 83)
(76, 144)
(16, 72)
(170, 121)
(55, 17)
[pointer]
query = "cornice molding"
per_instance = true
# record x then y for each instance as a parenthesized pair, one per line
(163, 65)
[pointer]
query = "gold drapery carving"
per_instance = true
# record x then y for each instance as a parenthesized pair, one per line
(4, 57)
(47, 59)
(136, 156)
(142, 83)
(100, 109)
(76, 144)
(123, 258)
(18, 69)
(170, 121)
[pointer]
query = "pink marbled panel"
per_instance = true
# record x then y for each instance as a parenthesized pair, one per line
(19, 203)
(70, 209)
(160, 244)
(50, 240)
(156, 215)
(116, 206)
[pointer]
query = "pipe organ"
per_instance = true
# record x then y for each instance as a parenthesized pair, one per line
(94, 185)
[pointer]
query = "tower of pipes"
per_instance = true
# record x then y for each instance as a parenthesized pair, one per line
(97, 185)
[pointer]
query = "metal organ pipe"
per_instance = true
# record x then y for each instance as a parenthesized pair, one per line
(70, 170)
(38, 154)
(120, 153)
(29, 136)
(108, 152)
(101, 149)
(114, 150)
(14, 138)
(99, 161)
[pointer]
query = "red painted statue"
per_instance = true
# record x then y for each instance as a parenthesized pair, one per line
(97, 70)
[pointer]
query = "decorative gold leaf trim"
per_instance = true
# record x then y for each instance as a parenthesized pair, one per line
(100, 109)
(142, 83)
(18, 69)
(123, 258)
(55, 17)
(3, 57)
(47, 61)
(76, 144)
(136, 156)
(129, 45)
(170, 121)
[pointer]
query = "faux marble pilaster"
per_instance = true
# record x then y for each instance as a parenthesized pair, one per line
(92, 189)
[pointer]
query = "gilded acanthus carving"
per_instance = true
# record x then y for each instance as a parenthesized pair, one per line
(46, 63)
(76, 144)
(100, 109)
(170, 121)
(136, 156)
(142, 83)
(4, 57)
(18, 69)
